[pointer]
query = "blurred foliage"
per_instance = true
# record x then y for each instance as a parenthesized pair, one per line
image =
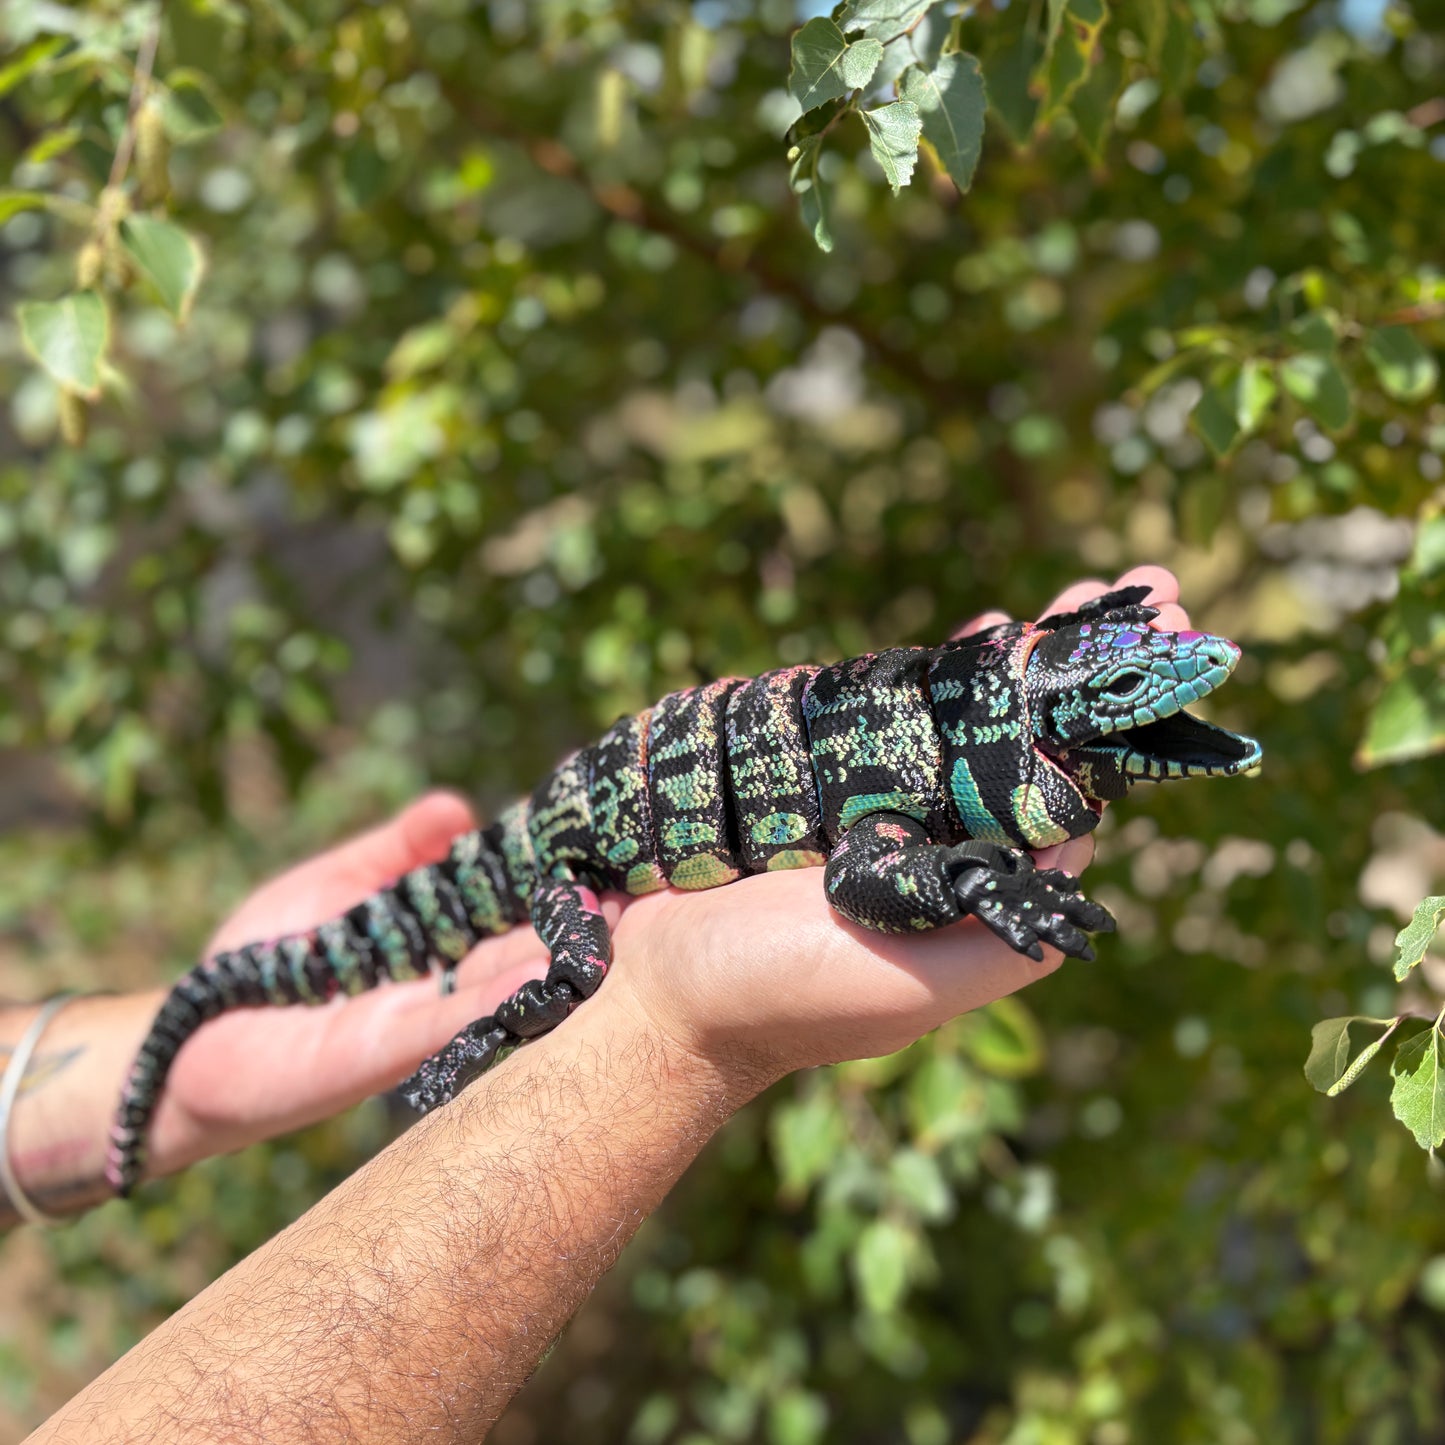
(405, 392)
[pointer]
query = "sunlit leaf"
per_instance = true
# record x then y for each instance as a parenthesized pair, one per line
(54, 143)
(1214, 416)
(807, 1135)
(880, 1264)
(168, 257)
(1406, 370)
(1073, 37)
(918, 1179)
(68, 338)
(1329, 1067)
(1414, 939)
(826, 66)
(883, 19)
(805, 183)
(1004, 1039)
(951, 104)
(187, 110)
(1316, 382)
(1418, 1097)
(13, 202)
(1407, 721)
(893, 134)
(1254, 395)
(30, 60)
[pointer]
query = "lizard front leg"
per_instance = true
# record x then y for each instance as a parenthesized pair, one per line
(569, 921)
(885, 875)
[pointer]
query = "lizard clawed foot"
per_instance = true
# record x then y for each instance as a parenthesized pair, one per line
(1026, 906)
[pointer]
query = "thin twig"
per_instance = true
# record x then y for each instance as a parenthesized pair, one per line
(629, 204)
(1415, 315)
(144, 62)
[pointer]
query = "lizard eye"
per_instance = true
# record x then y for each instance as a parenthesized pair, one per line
(1126, 687)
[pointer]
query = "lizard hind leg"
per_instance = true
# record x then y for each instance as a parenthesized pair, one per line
(569, 921)
(885, 875)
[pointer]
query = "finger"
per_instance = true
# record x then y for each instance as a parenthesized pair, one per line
(1071, 857)
(332, 882)
(982, 621)
(1163, 585)
(1075, 595)
(1172, 618)
(421, 833)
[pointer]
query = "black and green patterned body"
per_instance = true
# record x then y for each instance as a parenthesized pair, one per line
(919, 776)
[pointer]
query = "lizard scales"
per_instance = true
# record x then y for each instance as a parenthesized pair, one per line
(918, 776)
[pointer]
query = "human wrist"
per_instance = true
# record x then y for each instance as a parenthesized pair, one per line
(734, 1067)
(61, 1118)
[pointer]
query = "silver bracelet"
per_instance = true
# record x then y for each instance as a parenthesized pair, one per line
(9, 1089)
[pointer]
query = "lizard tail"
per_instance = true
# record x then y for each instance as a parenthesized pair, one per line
(432, 914)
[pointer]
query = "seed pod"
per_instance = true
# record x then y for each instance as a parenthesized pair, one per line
(152, 152)
(74, 418)
(88, 265)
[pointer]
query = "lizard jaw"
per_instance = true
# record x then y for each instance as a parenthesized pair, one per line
(1179, 746)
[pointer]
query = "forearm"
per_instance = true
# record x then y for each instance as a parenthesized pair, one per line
(61, 1119)
(412, 1302)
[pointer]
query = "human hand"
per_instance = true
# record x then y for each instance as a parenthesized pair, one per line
(257, 1072)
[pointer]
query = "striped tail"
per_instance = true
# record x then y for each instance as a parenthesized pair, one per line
(431, 916)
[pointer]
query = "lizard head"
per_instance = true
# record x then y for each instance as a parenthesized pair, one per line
(1107, 701)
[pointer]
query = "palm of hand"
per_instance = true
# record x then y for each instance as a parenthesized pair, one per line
(764, 965)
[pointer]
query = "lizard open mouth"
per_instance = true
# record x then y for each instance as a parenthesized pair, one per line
(1179, 746)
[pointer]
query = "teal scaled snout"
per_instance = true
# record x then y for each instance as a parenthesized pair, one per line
(1161, 673)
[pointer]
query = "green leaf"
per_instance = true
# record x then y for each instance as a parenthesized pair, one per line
(1214, 416)
(1315, 331)
(883, 19)
(1407, 721)
(1414, 939)
(13, 202)
(807, 185)
(945, 1101)
(1008, 69)
(168, 257)
(1406, 370)
(1418, 1097)
(1095, 104)
(1074, 27)
(797, 1417)
(1255, 395)
(919, 1180)
(951, 104)
(187, 111)
(1328, 1067)
(30, 59)
(68, 338)
(1179, 50)
(807, 1137)
(1004, 1039)
(54, 143)
(893, 134)
(1318, 385)
(825, 66)
(1428, 557)
(880, 1264)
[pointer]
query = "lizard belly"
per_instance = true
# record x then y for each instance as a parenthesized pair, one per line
(687, 780)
